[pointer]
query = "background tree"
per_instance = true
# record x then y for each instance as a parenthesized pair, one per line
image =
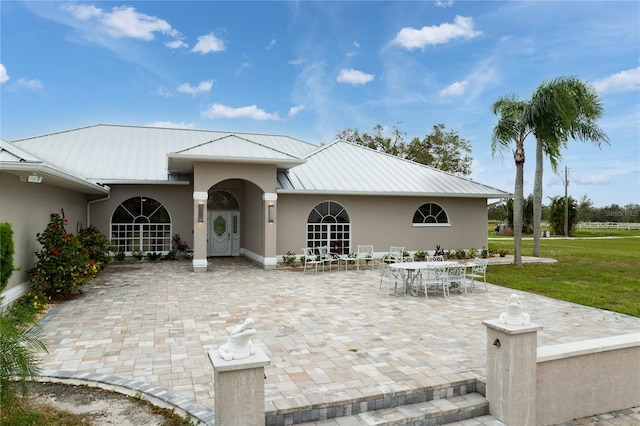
(441, 149)
(560, 109)
(556, 215)
(393, 144)
(512, 128)
(585, 209)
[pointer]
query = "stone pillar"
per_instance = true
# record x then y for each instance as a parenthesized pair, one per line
(239, 389)
(511, 372)
(200, 231)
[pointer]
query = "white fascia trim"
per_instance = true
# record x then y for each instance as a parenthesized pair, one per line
(45, 169)
(390, 194)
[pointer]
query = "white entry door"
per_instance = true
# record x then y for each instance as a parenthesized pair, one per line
(224, 233)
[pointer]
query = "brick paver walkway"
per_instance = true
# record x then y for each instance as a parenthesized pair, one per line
(329, 337)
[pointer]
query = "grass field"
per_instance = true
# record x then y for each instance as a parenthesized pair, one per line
(598, 268)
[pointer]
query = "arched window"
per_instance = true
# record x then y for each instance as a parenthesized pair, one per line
(222, 200)
(329, 225)
(141, 223)
(430, 214)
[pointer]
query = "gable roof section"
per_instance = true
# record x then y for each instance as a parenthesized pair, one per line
(231, 148)
(345, 168)
(129, 154)
(18, 162)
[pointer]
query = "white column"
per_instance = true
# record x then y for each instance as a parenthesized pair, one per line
(200, 231)
(270, 230)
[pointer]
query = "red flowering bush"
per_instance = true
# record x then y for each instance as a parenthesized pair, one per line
(64, 265)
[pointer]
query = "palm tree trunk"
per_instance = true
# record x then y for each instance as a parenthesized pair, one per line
(518, 198)
(537, 198)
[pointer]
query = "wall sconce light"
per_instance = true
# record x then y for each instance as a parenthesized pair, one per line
(31, 178)
(200, 213)
(272, 213)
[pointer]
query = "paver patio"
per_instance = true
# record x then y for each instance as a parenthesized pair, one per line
(329, 336)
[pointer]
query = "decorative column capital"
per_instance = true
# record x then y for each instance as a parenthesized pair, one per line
(270, 196)
(200, 195)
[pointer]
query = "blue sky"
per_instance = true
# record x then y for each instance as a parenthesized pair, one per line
(308, 69)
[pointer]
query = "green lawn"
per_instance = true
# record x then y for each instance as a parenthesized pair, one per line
(602, 273)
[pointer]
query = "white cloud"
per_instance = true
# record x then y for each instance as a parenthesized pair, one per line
(163, 92)
(176, 44)
(454, 89)
(354, 77)
(209, 43)
(297, 61)
(202, 87)
(411, 38)
(273, 43)
(443, 3)
(170, 125)
(624, 81)
(252, 112)
(126, 22)
(123, 22)
(84, 12)
(295, 110)
(34, 84)
(4, 77)
(592, 179)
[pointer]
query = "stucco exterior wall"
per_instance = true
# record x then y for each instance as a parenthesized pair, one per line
(27, 207)
(386, 221)
(177, 199)
(588, 378)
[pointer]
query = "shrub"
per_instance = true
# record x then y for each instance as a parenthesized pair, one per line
(138, 254)
(6, 254)
(420, 255)
(120, 255)
(289, 259)
(97, 244)
(153, 255)
(63, 265)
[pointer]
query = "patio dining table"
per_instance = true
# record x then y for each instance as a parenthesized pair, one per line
(412, 270)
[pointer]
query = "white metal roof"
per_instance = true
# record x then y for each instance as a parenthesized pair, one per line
(231, 148)
(110, 153)
(129, 154)
(346, 168)
(15, 161)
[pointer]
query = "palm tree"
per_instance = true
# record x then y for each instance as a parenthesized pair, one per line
(560, 109)
(512, 127)
(20, 338)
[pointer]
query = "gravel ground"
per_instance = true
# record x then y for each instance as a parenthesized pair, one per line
(98, 407)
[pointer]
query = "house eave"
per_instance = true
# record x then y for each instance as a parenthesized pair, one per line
(53, 176)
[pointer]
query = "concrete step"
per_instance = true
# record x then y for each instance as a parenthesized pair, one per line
(464, 410)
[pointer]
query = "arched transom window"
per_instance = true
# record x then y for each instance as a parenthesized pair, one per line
(430, 214)
(329, 225)
(141, 223)
(222, 200)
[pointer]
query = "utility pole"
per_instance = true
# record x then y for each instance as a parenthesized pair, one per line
(566, 202)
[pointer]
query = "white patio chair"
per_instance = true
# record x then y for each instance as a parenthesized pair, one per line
(434, 280)
(478, 271)
(389, 278)
(326, 257)
(395, 254)
(310, 259)
(365, 254)
(455, 278)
